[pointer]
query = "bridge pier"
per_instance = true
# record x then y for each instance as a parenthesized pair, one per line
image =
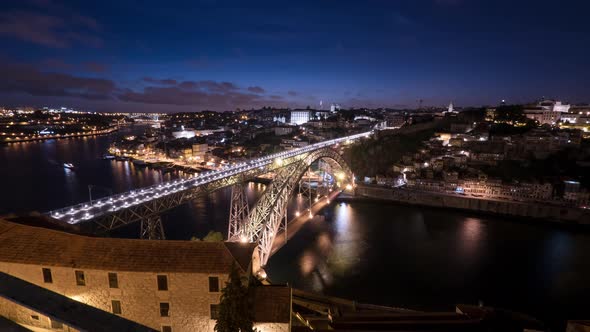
(152, 229)
(238, 211)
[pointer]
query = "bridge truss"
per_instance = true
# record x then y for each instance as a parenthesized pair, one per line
(268, 217)
(259, 225)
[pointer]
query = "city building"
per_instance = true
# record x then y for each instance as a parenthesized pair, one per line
(283, 130)
(547, 111)
(184, 133)
(200, 151)
(164, 285)
(28, 307)
(299, 117)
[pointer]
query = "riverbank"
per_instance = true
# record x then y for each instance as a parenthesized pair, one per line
(528, 210)
(18, 139)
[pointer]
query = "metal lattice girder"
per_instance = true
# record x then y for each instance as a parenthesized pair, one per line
(238, 211)
(124, 208)
(265, 218)
(152, 229)
(156, 206)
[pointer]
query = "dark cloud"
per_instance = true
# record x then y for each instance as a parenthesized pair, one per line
(209, 85)
(256, 89)
(160, 81)
(49, 30)
(95, 67)
(54, 64)
(200, 94)
(292, 93)
(198, 98)
(22, 78)
(25, 79)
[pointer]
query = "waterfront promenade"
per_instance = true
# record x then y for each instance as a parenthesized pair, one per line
(549, 212)
(29, 138)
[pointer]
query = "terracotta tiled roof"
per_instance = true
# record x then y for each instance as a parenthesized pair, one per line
(40, 246)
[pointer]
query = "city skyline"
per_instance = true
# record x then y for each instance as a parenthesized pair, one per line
(126, 57)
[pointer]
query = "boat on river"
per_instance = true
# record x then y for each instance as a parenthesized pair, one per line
(139, 162)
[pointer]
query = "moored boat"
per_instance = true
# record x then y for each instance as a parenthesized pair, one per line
(139, 162)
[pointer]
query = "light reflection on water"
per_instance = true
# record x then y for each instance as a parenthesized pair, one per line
(470, 237)
(433, 259)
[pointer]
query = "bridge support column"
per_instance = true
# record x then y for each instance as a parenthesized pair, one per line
(152, 229)
(238, 211)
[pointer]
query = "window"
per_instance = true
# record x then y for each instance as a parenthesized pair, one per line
(116, 305)
(164, 309)
(113, 280)
(80, 281)
(214, 308)
(166, 328)
(35, 317)
(56, 325)
(213, 284)
(162, 282)
(47, 276)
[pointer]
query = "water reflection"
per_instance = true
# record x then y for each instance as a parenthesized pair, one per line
(335, 251)
(349, 240)
(470, 237)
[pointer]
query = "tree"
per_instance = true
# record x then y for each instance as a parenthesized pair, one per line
(510, 113)
(213, 237)
(234, 310)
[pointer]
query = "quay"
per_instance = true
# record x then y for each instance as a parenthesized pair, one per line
(30, 138)
(531, 210)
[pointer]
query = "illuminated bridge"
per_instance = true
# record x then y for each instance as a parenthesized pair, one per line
(259, 225)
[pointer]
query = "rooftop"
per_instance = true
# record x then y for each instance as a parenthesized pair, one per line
(25, 244)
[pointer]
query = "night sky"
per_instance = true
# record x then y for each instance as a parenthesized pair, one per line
(221, 55)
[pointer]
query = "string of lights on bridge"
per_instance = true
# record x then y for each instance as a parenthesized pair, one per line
(89, 210)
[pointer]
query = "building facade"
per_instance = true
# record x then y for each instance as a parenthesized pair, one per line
(165, 285)
(299, 117)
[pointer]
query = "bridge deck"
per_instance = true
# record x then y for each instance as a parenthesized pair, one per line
(112, 204)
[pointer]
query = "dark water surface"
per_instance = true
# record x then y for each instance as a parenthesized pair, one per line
(372, 252)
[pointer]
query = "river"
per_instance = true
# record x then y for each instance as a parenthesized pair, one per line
(372, 252)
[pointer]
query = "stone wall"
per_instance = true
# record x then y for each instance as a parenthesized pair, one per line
(272, 327)
(28, 318)
(188, 294)
(502, 207)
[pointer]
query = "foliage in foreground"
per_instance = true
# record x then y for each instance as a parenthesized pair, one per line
(235, 314)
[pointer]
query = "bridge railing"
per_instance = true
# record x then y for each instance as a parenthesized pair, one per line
(88, 210)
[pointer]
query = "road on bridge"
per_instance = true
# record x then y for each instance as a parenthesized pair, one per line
(295, 225)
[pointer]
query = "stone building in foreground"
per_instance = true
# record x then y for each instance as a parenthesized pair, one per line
(164, 285)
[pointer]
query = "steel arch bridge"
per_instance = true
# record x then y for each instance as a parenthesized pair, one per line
(264, 222)
(260, 225)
